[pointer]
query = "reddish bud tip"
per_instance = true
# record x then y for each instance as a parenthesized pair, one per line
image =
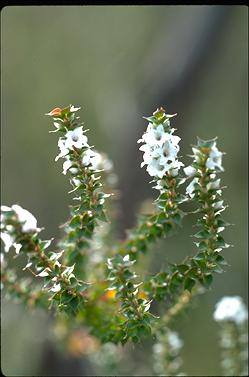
(55, 112)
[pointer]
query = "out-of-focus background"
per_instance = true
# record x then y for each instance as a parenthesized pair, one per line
(120, 63)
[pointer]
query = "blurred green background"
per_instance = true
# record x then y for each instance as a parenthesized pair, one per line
(120, 63)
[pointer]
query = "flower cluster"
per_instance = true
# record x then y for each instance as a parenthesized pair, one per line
(207, 156)
(231, 314)
(22, 289)
(231, 308)
(160, 146)
(83, 163)
(206, 191)
(74, 139)
(19, 229)
(160, 154)
(107, 358)
(166, 354)
(16, 217)
(205, 188)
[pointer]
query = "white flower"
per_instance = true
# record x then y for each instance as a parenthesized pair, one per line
(74, 109)
(215, 159)
(66, 165)
(189, 171)
(196, 155)
(5, 209)
(9, 241)
(168, 152)
(76, 138)
(175, 167)
(231, 308)
(155, 169)
(154, 136)
(126, 258)
(96, 161)
(158, 348)
(160, 151)
(175, 342)
(92, 159)
(57, 125)
(63, 150)
(147, 156)
(191, 187)
(218, 205)
(76, 182)
(214, 185)
(29, 222)
(56, 288)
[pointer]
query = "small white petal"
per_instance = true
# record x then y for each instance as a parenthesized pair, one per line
(18, 247)
(7, 240)
(215, 159)
(189, 171)
(191, 187)
(74, 109)
(66, 165)
(44, 273)
(29, 222)
(214, 185)
(56, 288)
(5, 209)
(218, 205)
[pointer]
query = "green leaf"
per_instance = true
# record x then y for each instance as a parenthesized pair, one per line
(182, 268)
(220, 242)
(218, 269)
(189, 284)
(73, 282)
(102, 216)
(207, 280)
(177, 219)
(127, 274)
(192, 272)
(75, 222)
(143, 331)
(200, 256)
(175, 279)
(202, 234)
(221, 260)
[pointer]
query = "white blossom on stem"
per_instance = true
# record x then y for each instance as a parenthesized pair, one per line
(189, 171)
(76, 138)
(73, 139)
(27, 220)
(160, 149)
(214, 160)
(191, 188)
(231, 308)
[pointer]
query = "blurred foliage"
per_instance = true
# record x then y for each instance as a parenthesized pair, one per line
(98, 57)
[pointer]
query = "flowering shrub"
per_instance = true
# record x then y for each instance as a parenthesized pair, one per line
(89, 279)
(232, 315)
